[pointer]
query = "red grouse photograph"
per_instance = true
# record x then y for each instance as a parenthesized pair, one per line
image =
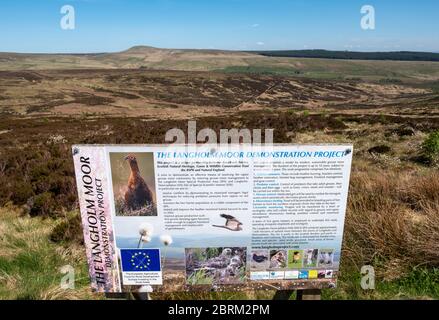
(133, 184)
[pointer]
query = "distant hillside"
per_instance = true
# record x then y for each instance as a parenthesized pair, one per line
(133, 58)
(352, 55)
(342, 65)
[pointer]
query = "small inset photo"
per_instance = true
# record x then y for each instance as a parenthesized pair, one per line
(259, 259)
(329, 274)
(303, 274)
(295, 258)
(313, 274)
(310, 258)
(133, 183)
(225, 265)
(278, 259)
(322, 274)
(326, 257)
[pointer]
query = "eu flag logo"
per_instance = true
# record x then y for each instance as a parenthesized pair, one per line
(140, 260)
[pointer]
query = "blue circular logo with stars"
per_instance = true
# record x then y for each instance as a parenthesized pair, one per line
(140, 260)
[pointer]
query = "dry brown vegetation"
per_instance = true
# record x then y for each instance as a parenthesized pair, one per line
(393, 220)
(176, 95)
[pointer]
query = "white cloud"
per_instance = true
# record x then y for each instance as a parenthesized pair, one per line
(255, 25)
(260, 43)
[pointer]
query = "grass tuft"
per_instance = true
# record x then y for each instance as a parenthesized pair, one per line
(30, 263)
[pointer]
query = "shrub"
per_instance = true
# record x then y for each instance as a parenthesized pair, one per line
(431, 145)
(68, 230)
(22, 192)
(43, 204)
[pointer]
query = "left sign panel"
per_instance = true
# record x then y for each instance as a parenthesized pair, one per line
(92, 183)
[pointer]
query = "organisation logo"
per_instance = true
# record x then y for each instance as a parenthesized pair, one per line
(140, 260)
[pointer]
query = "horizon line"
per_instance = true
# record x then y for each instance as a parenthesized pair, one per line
(212, 49)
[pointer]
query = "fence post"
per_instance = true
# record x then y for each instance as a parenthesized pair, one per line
(283, 294)
(309, 294)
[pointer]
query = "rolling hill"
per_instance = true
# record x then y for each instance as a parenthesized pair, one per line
(278, 63)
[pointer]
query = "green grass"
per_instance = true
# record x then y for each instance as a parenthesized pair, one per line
(284, 70)
(30, 263)
(268, 70)
(417, 284)
(324, 69)
(199, 277)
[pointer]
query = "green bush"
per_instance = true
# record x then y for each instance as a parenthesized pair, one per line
(431, 145)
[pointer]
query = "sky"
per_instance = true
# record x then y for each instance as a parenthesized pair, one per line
(116, 25)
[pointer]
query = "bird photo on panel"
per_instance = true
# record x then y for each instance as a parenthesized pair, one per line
(133, 183)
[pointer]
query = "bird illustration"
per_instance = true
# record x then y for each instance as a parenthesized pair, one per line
(259, 259)
(232, 223)
(326, 258)
(309, 257)
(296, 256)
(278, 260)
(234, 265)
(236, 260)
(221, 261)
(227, 252)
(138, 194)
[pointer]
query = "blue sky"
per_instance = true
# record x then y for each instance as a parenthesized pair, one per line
(114, 25)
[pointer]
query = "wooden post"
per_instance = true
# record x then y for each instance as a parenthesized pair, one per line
(141, 296)
(283, 294)
(129, 296)
(117, 295)
(310, 294)
(307, 294)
